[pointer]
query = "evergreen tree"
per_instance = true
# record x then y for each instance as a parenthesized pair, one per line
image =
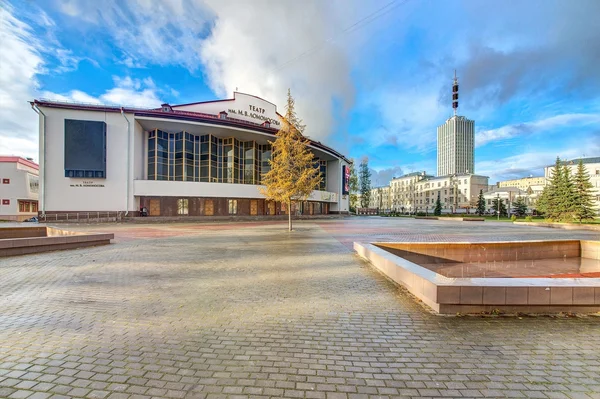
(520, 206)
(480, 203)
(549, 200)
(293, 176)
(353, 182)
(584, 208)
(565, 198)
(364, 177)
(503, 211)
(542, 203)
(438, 206)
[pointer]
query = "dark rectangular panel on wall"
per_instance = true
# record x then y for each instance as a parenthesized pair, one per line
(169, 206)
(243, 207)
(193, 204)
(223, 208)
(85, 149)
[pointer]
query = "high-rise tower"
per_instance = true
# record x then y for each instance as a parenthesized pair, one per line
(456, 141)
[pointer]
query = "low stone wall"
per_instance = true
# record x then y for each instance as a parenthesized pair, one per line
(564, 226)
(22, 232)
(213, 219)
(475, 295)
(452, 219)
(590, 249)
(29, 240)
(493, 252)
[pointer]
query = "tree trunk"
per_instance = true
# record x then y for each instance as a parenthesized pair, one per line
(290, 216)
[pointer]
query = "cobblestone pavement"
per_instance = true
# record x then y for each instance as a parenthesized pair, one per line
(242, 310)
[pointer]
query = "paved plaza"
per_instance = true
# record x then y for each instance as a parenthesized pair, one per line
(240, 310)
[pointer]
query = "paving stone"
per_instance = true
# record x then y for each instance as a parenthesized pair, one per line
(249, 310)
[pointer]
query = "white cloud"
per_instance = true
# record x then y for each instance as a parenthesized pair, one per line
(532, 162)
(21, 61)
(539, 126)
(19, 84)
(162, 32)
(127, 91)
(250, 48)
(243, 45)
(24, 147)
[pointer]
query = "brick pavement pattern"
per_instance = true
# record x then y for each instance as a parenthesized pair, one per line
(252, 311)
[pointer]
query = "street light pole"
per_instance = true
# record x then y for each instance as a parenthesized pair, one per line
(498, 206)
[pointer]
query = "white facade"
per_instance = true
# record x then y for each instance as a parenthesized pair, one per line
(403, 191)
(417, 192)
(380, 198)
(19, 187)
(458, 193)
(509, 195)
(523, 183)
(245, 118)
(592, 166)
(456, 146)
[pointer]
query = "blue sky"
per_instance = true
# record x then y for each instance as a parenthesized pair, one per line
(370, 78)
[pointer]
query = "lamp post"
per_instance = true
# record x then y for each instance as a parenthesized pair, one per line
(498, 205)
(455, 193)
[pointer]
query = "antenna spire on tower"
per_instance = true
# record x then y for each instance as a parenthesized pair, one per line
(455, 93)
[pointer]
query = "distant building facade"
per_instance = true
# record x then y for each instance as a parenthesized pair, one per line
(403, 190)
(418, 191)
(380, 198)
(509, 195)
(19, 188)
(456, 146)
(458, 193)
(523, 183)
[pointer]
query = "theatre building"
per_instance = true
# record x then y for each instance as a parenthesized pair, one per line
(198, 159)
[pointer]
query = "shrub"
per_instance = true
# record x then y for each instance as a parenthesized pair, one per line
(421, 214)
(513, 218)
(528, 219)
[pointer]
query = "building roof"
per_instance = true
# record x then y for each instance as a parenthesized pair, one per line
(22, 161)
(182, 116)
(522, 178)
(457, 175)
(504, 189)
(225, 99)
(576, 161)
(410, 175)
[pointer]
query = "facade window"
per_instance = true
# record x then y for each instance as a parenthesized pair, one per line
(185, 156)
(5, 202)
(323, 172)
(5, 181)
(233, 207)
(182, 206)
(465, 181)
(27, 206)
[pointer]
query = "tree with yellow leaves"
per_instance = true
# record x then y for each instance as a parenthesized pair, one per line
(293, 176)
